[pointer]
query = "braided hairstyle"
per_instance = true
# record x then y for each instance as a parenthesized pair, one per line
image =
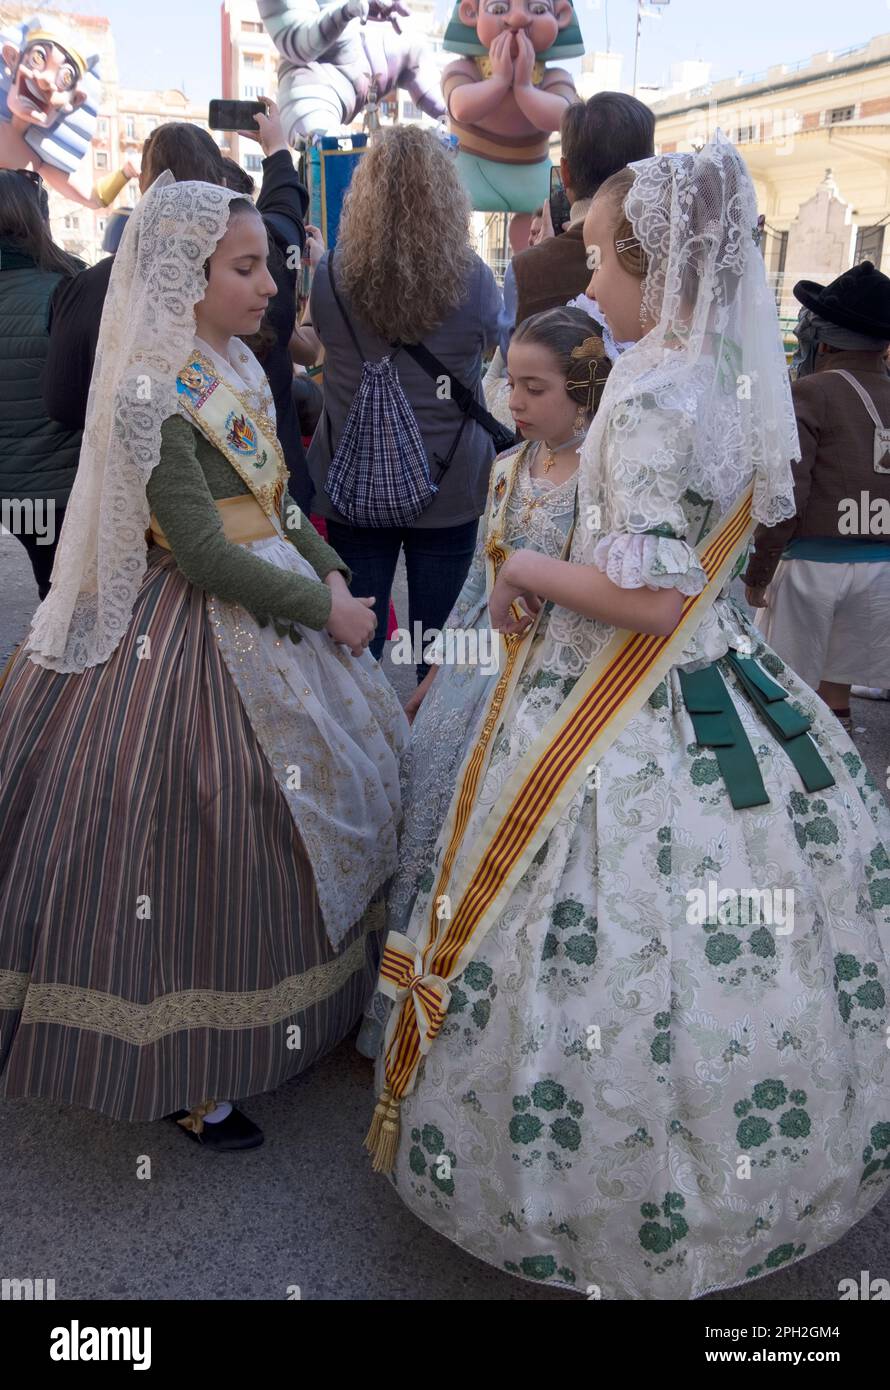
(568, 334)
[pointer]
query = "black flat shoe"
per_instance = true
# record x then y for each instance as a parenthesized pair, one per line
(236, 1131)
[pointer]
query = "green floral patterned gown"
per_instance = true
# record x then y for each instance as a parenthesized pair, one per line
(630, 1096)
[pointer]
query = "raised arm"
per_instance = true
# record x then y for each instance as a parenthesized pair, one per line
(643, 566)
(304, 31)
(467, 96)
(543, 106)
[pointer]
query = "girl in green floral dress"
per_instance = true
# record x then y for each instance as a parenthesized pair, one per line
(656, 1064)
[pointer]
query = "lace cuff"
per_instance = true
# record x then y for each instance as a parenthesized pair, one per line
(635, 560)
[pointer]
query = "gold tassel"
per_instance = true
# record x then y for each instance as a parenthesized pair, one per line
(382, 1141)
(372, 1138)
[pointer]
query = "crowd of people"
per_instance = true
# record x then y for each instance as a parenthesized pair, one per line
(610, 896)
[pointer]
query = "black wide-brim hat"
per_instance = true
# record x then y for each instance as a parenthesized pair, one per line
(859, 299)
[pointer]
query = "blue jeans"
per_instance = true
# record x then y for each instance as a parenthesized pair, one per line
(436, 561)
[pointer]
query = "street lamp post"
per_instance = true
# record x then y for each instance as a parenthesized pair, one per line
(637, 41)
(640, 13)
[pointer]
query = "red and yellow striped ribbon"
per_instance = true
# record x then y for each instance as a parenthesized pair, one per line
(605, 693)
(401, 977)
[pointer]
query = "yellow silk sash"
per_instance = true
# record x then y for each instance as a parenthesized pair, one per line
(603, 701)
(242, 517)
(513, 649)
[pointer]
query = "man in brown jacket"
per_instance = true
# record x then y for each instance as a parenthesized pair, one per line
(828, 609)
(598, 137)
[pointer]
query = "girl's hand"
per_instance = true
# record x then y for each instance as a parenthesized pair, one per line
(351, 620)
(757, 597)
(413, 703)
(505, 593)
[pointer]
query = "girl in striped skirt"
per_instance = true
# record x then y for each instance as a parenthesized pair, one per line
(199, 791)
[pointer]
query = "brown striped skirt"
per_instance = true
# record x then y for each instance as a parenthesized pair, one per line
(161, 941)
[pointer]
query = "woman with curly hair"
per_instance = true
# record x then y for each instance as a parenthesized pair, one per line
(404, 272)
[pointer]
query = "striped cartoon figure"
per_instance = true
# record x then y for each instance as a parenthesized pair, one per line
(332, 61)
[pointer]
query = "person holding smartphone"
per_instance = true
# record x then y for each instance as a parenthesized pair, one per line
(558, 204)
(282, 202)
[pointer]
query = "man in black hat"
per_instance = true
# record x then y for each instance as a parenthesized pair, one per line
(828, 609)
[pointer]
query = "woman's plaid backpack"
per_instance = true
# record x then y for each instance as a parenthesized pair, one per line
(379, 474)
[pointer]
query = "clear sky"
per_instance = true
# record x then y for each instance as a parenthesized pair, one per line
(165, 43)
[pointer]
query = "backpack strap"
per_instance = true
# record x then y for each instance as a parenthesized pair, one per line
(347, 321)
(396, 347)
(339, 302)
(462, 395)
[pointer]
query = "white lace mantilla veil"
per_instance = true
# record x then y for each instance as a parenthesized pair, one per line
(702, 402)
(146, 334)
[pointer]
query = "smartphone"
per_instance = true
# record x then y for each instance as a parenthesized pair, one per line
(235, 115)
(559, 203)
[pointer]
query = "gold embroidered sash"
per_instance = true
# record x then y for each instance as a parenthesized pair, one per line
(244, 436)
(602, 703)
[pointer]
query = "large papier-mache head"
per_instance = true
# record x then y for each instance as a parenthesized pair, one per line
(47, 82)
(552, 26)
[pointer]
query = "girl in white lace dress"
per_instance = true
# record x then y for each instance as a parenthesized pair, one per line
(557, 373)
(658, 1065)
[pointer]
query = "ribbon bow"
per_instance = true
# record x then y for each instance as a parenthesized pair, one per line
(194, 1120)
(402, 976)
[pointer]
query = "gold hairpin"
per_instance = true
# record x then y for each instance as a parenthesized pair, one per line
(591, 347)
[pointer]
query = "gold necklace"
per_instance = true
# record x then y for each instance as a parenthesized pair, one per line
(552, 450)
(535, 501)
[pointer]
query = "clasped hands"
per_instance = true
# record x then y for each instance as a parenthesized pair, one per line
(513, 58)
(351, 621)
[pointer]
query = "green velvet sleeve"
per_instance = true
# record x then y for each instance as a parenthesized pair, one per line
(180, 498)
(313, 547)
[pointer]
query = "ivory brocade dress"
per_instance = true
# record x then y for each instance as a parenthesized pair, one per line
(196, 833)
(540, 516)
(634, 1095)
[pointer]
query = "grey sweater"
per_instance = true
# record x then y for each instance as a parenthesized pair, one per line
(459, 342)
